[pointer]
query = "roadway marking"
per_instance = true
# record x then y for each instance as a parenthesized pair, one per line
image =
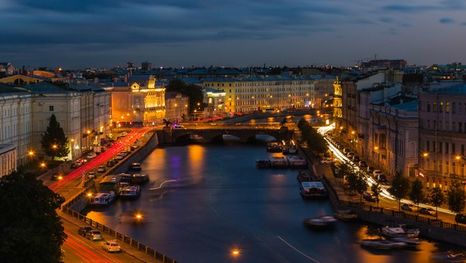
(297, 250)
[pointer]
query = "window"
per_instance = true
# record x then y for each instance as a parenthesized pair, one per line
(428, 107)
(428, 146)
(50, 108)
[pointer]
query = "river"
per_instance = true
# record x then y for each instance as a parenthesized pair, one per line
(222, 202)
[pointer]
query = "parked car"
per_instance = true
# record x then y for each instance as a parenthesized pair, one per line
(382, 179)
(112, 246)
(376, 174)
(407, 207)
(101, 169)
(91, 174)
(94, 235)
(369, 197)
(57, 176)
(460, 218)
(427, 211)
(119, 157)
(111, 162)
(370, 169)
(91, 155)
(355, 158)
(84, 230)
(178, 126)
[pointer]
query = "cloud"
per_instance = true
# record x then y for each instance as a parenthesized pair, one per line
(446, 20)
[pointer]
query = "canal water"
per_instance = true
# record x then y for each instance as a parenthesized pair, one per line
(221, 202)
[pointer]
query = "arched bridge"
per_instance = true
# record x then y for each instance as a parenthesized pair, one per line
(169, 136)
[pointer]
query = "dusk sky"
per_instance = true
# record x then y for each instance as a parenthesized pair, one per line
(81, 33)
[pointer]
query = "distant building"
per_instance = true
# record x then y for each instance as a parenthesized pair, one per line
(19, 80)
(379, 64)
(176, 106)
(8, 157)
(214, 99)
(6, 69)
(146, 66)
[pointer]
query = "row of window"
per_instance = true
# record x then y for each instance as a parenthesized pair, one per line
(444, 106)
(444, 125)
(444, 147)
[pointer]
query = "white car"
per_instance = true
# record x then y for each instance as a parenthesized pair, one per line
(94, 235)
(112, 246)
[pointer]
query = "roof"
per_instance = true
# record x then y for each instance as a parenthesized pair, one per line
(459, 89)
(6, 89)
(407, 106)
(86, 87)
(261, 78)
(46, 87)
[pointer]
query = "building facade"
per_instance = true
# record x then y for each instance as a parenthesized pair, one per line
(176, 106)
(8, 159)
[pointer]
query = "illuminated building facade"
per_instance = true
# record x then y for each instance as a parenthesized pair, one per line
(337, 99)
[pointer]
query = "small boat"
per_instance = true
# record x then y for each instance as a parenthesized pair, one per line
(322, 222)
(279, 162)
(313, 189)
(346, 215)
(130, 192)
(262, 164)
(297, 162)
(410, 242)
(102, 199)
(135, 167)
(140, 178)
(450, 256)
(274, 147)
(382, 244)
(399, 231)
(303, 177)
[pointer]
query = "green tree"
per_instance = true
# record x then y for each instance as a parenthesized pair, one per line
(193, 92)
(417, 192)
(54, 142)
(399, 188)
(456, 198)
(376, 190)
(356, 184)
(314, 140)
(437, 198)
(30, 229)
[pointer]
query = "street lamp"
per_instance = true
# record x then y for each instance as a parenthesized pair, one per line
(31, 153)
(425, 154)
(43, 165)
(235, 252)
(458, 157)
(54, 146)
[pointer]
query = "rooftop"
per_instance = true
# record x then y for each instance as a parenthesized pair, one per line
(406, 106)
(459, 89)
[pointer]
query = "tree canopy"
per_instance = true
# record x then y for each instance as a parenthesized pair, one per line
(314, 140)
(399, 187)
(30, 228)
(54, 142)
(456, 198)
(193, 92)
(417, 192)
(437, 198)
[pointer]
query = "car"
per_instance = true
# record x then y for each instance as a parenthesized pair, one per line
(123, 134)
(350, 155)
(101, 169)
(84, 230)
(91, 155)
(407, 207)
(376, 174)
(355, 158)
(370, 169)
(133, 147)
(369, 197)
(362, 164)
(94, 235)
(119, 157)
(427, 211)
(382, 179)
(112, 246)
(460, 218)
(178, 126)
(91, 174)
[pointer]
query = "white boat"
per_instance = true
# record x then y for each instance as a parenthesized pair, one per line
(312, 189)
(410, 242)
(140, 178)
(382, 244)
(279, 162)
(103, 199)
(130, 191)
(297, 162)
(399, 231)
(320, 222)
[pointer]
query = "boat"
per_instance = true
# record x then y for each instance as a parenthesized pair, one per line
(274, 147)
(140, 178)
(450, 256)
(130, 192)
(292, 149)
(399, 231)
(297, 162)
(303, 177)
(263, 164)
(346, 215)
(382, 244)
(410, 242)
(313, 189)
(322, 222)
(102, 199)
(136, 167)
(279, 162)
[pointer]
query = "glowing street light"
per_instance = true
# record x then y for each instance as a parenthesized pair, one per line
(42, 165)
(425, 154)
(31, 153)
(54, 146)
(235, 252)
(458, 157)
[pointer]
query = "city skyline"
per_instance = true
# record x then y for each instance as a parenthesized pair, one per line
(243, 33)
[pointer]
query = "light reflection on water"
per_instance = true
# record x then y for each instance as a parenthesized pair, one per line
(225, 202)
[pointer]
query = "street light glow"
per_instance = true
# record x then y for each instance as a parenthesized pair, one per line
(54, 146)
(42, 165)
(426, 154)
(458, 157)
(31, 153)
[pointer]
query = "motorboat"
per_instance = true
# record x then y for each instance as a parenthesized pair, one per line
(140, 178)
(136, 167)
(346, 215)
(102, 199)
(450, 256)
(410, 242)
(322, 222)
(274, 147)
(312, 189)
(399, 231)
(263, 164)
(297, 162)
(279, 162)
(130, 192)
(382, 244)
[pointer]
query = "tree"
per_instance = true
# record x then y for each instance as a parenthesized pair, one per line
(417, 192)
(399, 188)
(437, 198)
(193, 92)
(376, 190)
(54, 142)
(315, 141)
(29, 225)
(456, 198)
(356, 184)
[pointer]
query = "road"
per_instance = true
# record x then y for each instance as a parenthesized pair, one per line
(386, 200)
(77, 248)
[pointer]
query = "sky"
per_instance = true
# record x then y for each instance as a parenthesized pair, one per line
(104, 33)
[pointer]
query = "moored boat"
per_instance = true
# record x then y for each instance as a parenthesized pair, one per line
(297, 162)
(346, 215)
(130, 192)
(135, 167)
(399, 231)
(279, 162)
(410, 242)
(274, 147)
(382, 244)
(322, 222)
(140, 178)
(313, 189)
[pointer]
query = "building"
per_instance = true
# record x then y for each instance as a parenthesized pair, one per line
(6, 69)
(442, 133)
(176, 106)
(243, 95)
(142, 100)
(19, 80)
(214, 99)
(8, 159)
(393, 136)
